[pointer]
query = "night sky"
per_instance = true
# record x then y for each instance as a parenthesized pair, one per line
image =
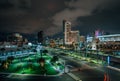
(31, 16)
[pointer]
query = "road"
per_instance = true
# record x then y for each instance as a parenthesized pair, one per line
(89, 73)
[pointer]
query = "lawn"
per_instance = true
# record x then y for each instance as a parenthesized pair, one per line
(30, 65)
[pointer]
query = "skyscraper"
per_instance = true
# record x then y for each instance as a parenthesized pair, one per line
(69, 36)
(40, 37)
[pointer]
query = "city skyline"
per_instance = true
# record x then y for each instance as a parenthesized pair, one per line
(28, 16)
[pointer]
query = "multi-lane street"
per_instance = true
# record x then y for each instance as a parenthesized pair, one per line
(89, 71)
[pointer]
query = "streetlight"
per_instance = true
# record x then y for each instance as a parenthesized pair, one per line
(64, 66)
(85, 48)
(97, 41)
(63, 61)
(97, 51)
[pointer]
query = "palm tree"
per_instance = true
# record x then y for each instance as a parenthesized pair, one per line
(10, 59)
(54, 59)
(45, 52)
(4, 64)
(42, 65)
(41, 62)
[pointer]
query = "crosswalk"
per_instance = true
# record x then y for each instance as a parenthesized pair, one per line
(74, 77)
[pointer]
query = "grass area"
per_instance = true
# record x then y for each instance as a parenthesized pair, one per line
(30, 65)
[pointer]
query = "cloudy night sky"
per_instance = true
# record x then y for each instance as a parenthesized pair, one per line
(31, 16)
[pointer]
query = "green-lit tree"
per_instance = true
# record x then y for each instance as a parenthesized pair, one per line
(45, 52)
(10, 59)
(34, 50)
(42, 65)
(4, 64)
(41, 62)
(54, 59)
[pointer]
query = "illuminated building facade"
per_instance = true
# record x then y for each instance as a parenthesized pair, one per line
(111, 42)
(106, 38)
(82, 38)
(16, 37)
(70, 36)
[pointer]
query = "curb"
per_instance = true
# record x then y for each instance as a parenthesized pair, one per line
(16, 74)
(113, 68)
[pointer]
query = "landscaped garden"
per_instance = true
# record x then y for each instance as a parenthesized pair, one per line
(33, 64)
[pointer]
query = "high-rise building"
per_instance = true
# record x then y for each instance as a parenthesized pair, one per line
(69, 36)
(40, 37)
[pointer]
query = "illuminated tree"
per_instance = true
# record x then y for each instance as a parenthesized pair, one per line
(45, 51)
(4, 65)
(42, 65)
(41, 62)
(54, 59)
(10, 59)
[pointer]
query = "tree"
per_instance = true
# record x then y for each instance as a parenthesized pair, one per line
(10, 59)
(74, 45)
(45, 51)
(3, 50)
(41, 62)
(34, 50)
(42, 65)
(4, 64)
(54, 59)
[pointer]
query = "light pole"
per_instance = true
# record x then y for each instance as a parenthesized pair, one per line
(64, 66)
(85, 48)
(63, 61)
(97, 51)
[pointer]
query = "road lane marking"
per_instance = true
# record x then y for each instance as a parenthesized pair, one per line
(74, 77)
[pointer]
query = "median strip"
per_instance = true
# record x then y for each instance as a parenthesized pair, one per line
(113, 68)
